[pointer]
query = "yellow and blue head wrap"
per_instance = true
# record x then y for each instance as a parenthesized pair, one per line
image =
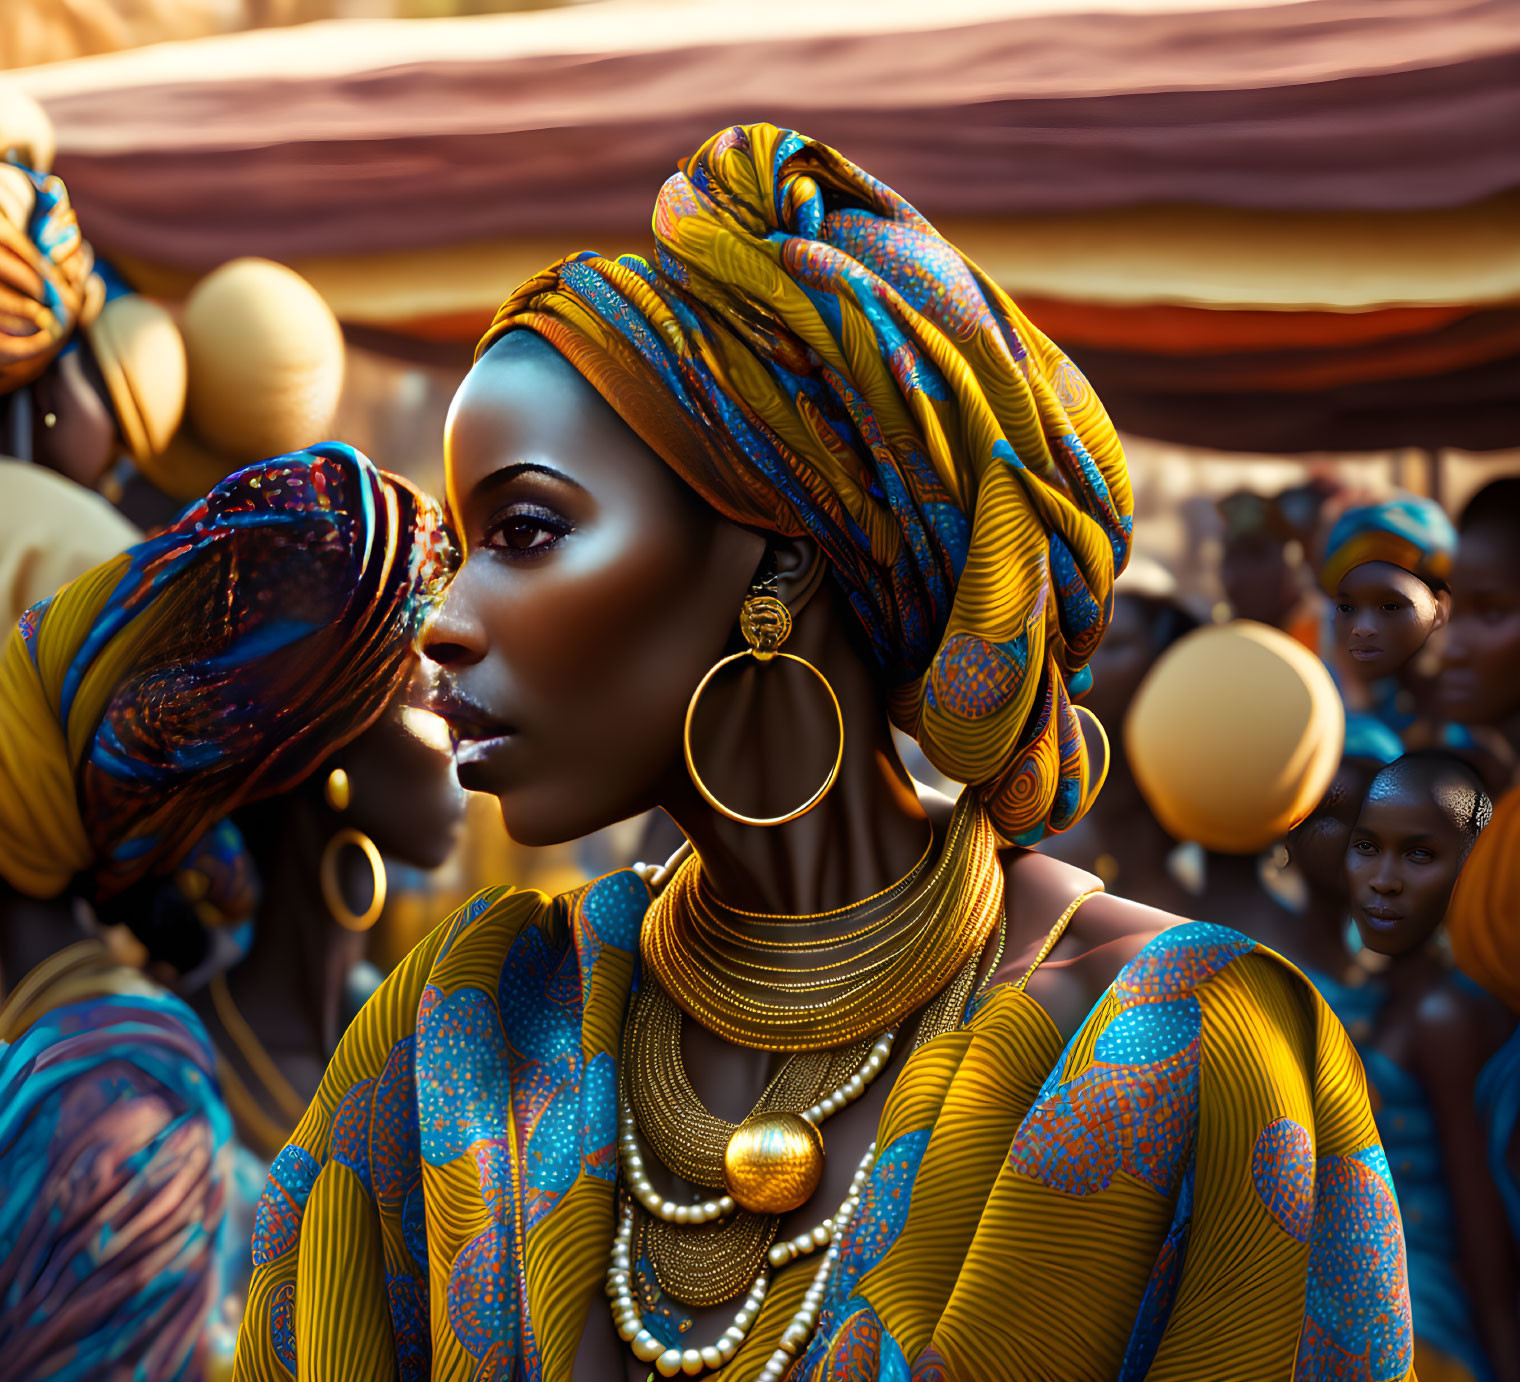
(813, 358)
(214, 663)
(1408, 532)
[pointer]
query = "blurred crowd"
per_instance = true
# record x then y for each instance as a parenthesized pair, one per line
(1331, 770)
(1328, 764)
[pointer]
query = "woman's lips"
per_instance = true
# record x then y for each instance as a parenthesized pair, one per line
(472, 727)
(1382, 918)
(479, 749)
(1366, 654)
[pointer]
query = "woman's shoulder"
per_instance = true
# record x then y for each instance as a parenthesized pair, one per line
(1106, 936)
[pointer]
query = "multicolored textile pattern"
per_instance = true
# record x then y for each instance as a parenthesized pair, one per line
(812, 357)
(214, 663)
(1167, 1192)
(114, 1152)
(1408, 532)
(46, 284)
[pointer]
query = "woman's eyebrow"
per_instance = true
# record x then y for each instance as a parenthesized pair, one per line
(497, 478)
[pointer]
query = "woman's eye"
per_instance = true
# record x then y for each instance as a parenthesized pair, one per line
(527, 532)
(1363, 847)
(1419, 856)
(1392, 608)
(1343, 609)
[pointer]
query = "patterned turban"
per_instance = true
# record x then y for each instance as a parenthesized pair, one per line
(1408, 532)
(215, 663)
(47, 284)
(813, 358)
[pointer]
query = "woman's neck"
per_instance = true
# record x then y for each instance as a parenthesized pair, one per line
(1409, 975)
(290, 989)
(869, 830)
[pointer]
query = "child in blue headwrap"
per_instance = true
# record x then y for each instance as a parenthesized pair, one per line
(1385, 572)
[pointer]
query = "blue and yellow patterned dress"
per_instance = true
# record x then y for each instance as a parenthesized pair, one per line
(1193, 1187)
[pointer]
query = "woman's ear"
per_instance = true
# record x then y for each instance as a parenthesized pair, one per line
(798, 568)
(1443, 610)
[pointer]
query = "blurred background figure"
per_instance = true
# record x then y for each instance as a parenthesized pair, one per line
(1484, 928)
(1119, 839)
(1431, 1038)
(1262, 567)
(1385, 572)
(1340, 968)
(1233, 737)
(1479, 686)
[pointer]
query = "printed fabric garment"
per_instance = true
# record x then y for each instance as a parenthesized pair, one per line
(1192, 1188)
(114, 1147)
(1442, 1312)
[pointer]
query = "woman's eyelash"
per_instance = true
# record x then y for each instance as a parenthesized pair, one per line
(527, 530)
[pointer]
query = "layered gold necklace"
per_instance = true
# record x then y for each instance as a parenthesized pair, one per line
(775, 983)
(831, 988)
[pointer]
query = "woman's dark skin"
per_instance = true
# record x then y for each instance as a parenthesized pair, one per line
(1480, 671)
(291, 987)
(1383, 616)
(1317, 847)
(596, 591)
(1405, 854)
(1119, 839)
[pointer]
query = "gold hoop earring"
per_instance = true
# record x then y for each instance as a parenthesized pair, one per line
(765, 623)
(332, 890)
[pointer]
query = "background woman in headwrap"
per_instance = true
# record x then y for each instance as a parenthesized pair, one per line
(1385, 571)
(88, 368)
(809, 417)
(211, 664)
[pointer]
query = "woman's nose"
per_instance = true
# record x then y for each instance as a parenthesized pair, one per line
(456, 637)
(1385, 882)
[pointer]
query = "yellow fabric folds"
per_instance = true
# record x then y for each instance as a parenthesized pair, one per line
(1193, 1188)
(42, 836)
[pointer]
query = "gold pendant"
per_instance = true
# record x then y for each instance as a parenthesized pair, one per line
(773, 1162)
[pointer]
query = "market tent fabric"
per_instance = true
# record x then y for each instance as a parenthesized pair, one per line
(1304, 213)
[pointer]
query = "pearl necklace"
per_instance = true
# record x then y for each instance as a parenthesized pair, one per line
(720, 1207)
(671, 1362)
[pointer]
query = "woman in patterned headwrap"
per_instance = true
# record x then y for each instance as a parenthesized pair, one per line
(211, 664)
(1385, 572)
(799, 1104)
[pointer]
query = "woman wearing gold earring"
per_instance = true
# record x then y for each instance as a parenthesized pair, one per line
(859, 1086)
(277, 1016)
